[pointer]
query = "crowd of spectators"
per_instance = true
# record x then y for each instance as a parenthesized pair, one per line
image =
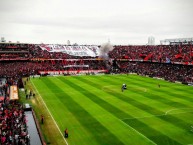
(26, 68)
(14, 56)
(14, 51)
(170, 72)
(157, 53)
(13, 46)
(162, 61)
(13, 129)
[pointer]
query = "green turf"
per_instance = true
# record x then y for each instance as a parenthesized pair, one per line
(97, 112)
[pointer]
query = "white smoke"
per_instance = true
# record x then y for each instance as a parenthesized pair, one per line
(104, 54)
(104, 50)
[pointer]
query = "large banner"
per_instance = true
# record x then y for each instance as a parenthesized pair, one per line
(91, 51)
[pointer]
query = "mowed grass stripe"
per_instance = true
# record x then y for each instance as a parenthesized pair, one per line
(99, 132)
(153, 96)
(165, 83)
(124, 132)
(163, 91)
(151, 133)
(170, 119)
(187, 91)
(111, 108)
(186, 106)
(63, 117)
(177, 88)
(52, 129)
(169, 100)
(111, 99)
(136, 103)
(99, 84)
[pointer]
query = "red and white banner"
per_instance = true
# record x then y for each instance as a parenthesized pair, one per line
(90, 50)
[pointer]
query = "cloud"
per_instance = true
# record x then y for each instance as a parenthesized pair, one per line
(89, 21)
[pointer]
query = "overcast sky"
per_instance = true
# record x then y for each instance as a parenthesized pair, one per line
(95, 21)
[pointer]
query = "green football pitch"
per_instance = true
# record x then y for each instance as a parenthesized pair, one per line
(97, 112)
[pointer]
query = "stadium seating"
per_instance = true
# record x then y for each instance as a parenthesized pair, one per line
(13, 129)
(167, 61)
(159, 53)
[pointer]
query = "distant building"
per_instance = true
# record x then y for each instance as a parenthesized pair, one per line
(151, 40)
(68, 42)
(3, 39)
(177, 41)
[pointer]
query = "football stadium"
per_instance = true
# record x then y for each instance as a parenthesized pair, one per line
(87, 72)
(59, 94)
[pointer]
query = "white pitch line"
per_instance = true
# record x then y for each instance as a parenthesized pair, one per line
(179, 109)
(138, 132)
(166, 113)
(50, 113)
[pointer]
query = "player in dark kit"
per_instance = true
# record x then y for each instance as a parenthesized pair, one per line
(66, 133)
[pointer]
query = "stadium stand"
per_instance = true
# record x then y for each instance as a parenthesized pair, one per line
(18, 60)
(170, 62)
(13, 129)
(182, 54)
(11, 51)
(175, 72)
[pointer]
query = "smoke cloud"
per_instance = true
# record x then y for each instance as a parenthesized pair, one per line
(104, 50)
(103, 53)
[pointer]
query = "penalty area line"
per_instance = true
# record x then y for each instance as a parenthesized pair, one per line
(137, 132)
(164, 114)
(50, 113)
(188, 111)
